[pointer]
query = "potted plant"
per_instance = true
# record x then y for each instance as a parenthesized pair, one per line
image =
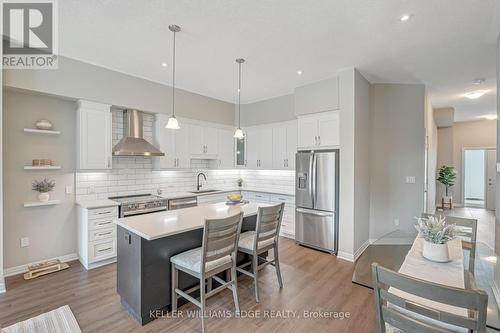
(436, 234)
(240, 182)
(43, 187)
(447, 176)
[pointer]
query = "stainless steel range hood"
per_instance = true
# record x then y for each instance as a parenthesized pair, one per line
(133, 143)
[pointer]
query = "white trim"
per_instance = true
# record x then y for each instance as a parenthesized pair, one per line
(345, 256)
(352, 258)
(496, 292)
(24, 268)
(2, 285)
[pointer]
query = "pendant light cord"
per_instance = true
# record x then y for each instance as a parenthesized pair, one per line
(239, 97)
(173, 79)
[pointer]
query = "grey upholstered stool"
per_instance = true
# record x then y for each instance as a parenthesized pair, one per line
(217, 254)
(264, 238)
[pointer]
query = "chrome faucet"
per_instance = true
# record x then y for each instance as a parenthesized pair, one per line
(198, 185)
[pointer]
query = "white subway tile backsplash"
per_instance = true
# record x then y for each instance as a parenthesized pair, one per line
(135, 175)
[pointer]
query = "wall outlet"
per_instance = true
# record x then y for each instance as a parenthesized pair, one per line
(25, 242)
(91, 189)
(69, 189)
(396, 222)
(410, 179)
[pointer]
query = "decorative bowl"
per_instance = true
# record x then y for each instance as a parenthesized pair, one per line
(43, 124)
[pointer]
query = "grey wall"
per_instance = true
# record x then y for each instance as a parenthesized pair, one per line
(397, 145)
(445, 156)
(78, 80)
(362, 123)
(2, 281)
(268, 111)
(51, 229)
(432, 141)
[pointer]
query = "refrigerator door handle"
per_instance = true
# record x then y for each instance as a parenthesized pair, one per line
(313, 212)
(314, 180)
(311, 179)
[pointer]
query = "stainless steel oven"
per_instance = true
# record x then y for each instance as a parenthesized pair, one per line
(140, 204)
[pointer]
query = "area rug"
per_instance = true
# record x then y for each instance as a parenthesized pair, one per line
(60, 320)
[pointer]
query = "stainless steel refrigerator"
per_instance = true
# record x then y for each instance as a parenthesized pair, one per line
(316, 199)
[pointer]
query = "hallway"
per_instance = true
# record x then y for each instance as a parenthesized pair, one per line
(485, 223)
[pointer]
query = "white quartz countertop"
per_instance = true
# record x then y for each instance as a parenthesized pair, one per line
(101, 203)
(178, 195)
(158, 225)
(91, 204)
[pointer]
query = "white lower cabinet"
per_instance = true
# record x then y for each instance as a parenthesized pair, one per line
(97, 236)
(288, 222)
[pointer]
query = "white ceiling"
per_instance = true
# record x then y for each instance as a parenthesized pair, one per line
(446, 44)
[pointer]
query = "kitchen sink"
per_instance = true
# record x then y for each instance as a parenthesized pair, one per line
(204, 191)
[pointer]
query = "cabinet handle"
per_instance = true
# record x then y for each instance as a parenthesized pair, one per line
(104, 250)
(316, 140)
(105, 233)
(104, 223)
(106, 212)
(319, 140)
(220, 162)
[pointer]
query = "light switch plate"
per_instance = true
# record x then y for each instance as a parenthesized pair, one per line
(25, 242)
(498, 167)
(410, 179)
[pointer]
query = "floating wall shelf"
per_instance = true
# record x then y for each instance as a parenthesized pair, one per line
(38, 131)
(42, 167)
(42, 203)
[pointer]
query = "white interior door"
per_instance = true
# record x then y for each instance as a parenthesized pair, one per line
(491, 161)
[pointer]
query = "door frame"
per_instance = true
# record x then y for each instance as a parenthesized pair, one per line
(462, 176)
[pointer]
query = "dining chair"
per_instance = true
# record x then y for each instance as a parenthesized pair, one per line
(466, 231)
(217, 254)
(264, 238)
(396, 313)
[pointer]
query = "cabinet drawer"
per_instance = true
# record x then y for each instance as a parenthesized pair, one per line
(102, 213)
(100, 250)
(101, 223)
(282, 198)
(102, 233)
(262, 197)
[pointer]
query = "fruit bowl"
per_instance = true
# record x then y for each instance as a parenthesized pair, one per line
(234, 198)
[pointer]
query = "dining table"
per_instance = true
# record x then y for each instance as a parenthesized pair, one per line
(401, 251)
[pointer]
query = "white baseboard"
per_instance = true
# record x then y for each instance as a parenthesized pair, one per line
(2, 285)
(24, 268)
(352, 258)
(496, 292)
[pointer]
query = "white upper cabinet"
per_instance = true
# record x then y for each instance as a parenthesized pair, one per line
(174, 143)
(259, 142)
(284, 145)
(225, 149)
(94, 136)
(203, 142)
(317, 97)
(319, 130)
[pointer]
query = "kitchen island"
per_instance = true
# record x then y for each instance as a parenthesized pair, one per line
(147, 242)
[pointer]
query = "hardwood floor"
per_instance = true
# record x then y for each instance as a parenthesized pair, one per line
(313, 281)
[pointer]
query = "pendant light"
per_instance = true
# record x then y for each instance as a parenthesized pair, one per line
(238, 133)
(172, 121)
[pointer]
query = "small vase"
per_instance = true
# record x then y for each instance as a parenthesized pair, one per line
(435, 252)
(44, 197)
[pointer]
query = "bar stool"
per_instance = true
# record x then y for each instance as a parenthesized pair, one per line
(217, 254)
(264, 238)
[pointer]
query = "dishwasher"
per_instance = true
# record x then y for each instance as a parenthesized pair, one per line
(174, 204)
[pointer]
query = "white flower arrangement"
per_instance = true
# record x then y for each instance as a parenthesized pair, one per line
(435, 230)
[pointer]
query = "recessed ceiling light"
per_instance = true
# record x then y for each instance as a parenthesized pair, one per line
(405, 17)
(163, 64)
(478, 81)
(489, 117)
(299, 72)
(475, 94)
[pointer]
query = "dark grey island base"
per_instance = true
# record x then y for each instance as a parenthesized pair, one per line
(143, 269)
